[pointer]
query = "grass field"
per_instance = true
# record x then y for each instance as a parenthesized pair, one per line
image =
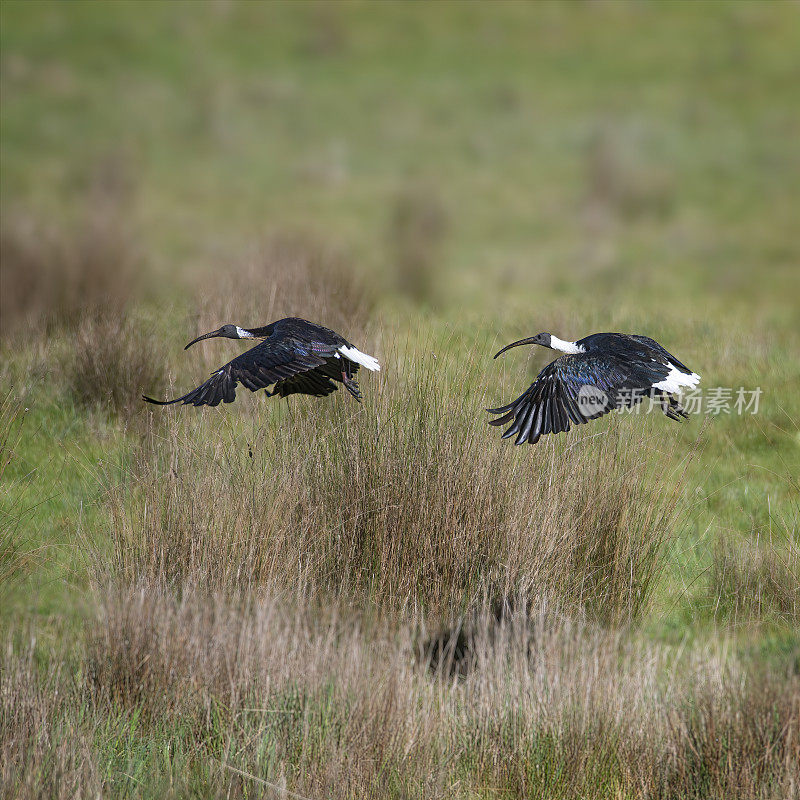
(322, 600)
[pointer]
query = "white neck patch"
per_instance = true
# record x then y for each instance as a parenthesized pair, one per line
(565, 347)
(243, 334)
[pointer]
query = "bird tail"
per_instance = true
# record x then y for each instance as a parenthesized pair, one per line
(354, 354)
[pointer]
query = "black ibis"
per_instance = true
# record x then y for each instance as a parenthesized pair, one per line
(295, 355)
(598, 374)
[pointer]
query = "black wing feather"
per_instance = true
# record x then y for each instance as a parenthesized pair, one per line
(320, 381)
(552, 403)
(269, 362)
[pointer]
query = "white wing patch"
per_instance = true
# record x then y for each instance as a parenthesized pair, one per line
(676, 381)
(354, 354)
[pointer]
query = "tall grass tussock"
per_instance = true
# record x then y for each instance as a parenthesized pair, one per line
(114, 359)
(403, 504)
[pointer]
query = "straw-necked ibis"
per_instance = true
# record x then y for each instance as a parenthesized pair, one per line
(598, 374)
(295, 355)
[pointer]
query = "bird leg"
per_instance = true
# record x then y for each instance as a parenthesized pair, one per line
(672, 408)
(348, 381)
(677, 407)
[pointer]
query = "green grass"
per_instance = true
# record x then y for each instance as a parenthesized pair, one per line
(597, 166)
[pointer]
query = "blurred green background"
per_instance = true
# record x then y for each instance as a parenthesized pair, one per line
(604, 152)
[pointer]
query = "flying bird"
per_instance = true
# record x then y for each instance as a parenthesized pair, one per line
(598, 374)
(295, 355)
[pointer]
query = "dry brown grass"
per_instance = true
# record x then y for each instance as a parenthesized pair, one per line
(405, 503)
(289, 275)
(749, 582)
(735, 738)
(15, 502)
(113, 360)
(264, 694)
(46, 750)
(57, 276)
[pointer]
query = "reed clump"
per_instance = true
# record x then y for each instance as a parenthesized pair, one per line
(402, 504)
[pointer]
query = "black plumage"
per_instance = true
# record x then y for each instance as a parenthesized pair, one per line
(295, 357)
(599, 373)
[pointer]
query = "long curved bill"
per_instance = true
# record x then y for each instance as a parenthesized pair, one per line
(204, 336)
(529, 340)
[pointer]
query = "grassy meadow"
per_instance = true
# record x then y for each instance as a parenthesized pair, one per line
(320, 599)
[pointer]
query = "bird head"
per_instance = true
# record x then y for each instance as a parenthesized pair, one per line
(542, 339)
(227, 331)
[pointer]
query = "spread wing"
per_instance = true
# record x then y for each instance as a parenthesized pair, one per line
(574, 389)
(274, 360)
